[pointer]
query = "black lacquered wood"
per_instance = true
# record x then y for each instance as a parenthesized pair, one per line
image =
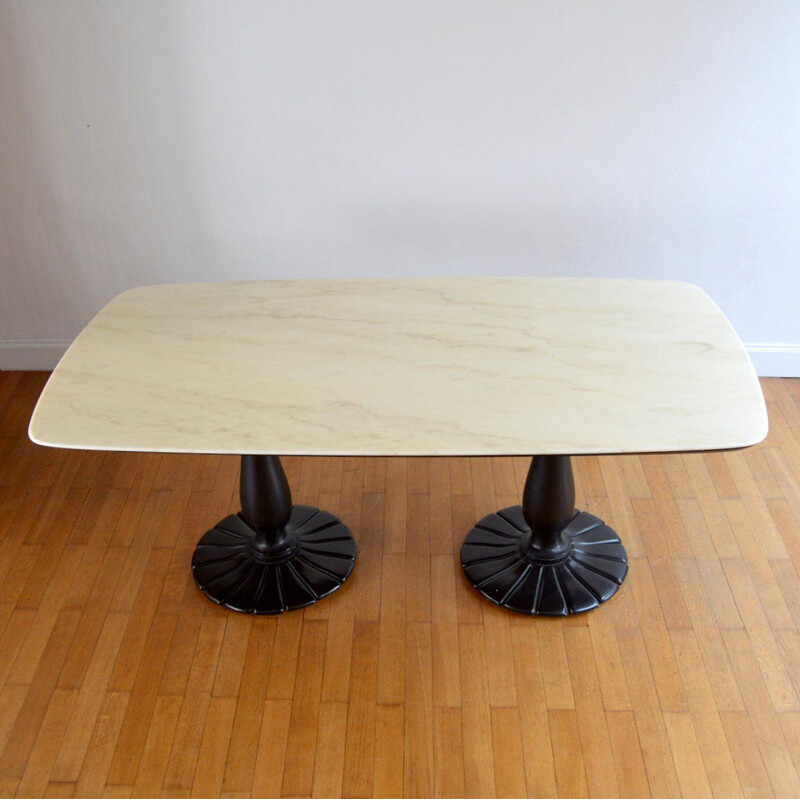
(548, 504)
(273, 556)
(266, 499)
(544, 557)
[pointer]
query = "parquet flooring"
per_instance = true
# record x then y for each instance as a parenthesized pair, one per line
(118, 679)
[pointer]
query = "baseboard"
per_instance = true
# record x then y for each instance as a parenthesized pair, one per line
(775, 359)
(771, 359)
(32, 354)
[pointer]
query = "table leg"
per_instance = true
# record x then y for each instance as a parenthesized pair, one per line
(544, 557)
(272, 556)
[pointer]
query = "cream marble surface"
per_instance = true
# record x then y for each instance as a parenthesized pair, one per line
(474, 366)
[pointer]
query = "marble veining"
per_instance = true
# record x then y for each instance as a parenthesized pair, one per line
(466, 366)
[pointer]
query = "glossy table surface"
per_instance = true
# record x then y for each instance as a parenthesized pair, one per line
(466, 366)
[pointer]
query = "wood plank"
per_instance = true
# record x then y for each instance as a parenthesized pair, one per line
(394, 526)
(298, 769)
(102, 744)
(243, 749)
(477, 726)
(628, 759)
(361, 713)
(509, 766)
(231, 655)
(418, 779)
(715, 756)
(500, 656)
(653, 740)
(747, 757)
(157, 746)
(267, 775)
(529, 664)
(67, 767)
(778, 761)
(139, 712)
(48, 742)
(391, 632)
(444, 628)
(329, 759)
(197, 698)
(448, 753)
(568, 756)
(210, 770)
(686, 755)
(598, 758)
(25, 729)
(555, 667)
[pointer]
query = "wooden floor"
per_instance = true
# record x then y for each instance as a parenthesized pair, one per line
(118, 678)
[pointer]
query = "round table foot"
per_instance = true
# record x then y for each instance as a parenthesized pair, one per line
(317, 560)
(497, 559)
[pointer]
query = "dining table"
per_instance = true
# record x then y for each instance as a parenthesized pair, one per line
(551, 368)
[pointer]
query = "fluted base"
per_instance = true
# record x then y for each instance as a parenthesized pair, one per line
(498, 561)
(315, 561)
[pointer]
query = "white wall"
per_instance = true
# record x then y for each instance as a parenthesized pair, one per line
(145, 142)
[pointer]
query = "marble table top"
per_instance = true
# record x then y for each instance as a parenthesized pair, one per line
(466, 366)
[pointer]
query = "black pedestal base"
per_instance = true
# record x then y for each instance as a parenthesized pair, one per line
(317, 559)
(497, 559)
